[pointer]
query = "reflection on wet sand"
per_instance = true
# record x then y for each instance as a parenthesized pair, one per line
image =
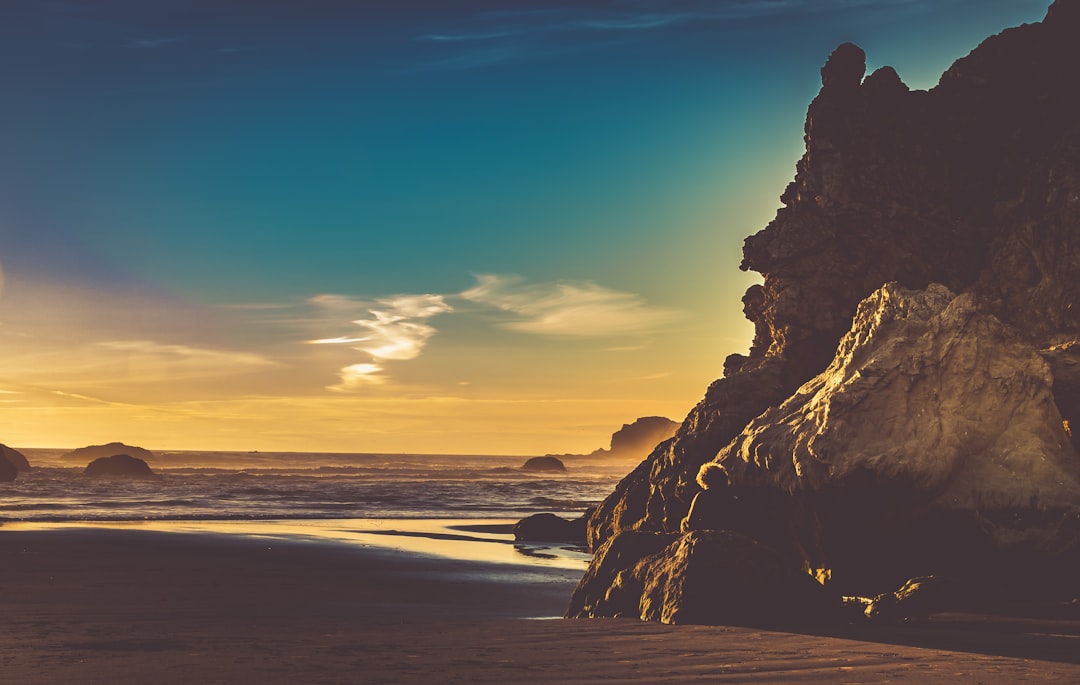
(486, 540)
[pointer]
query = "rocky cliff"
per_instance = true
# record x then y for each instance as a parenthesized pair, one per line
(634, 440)
(943, 404)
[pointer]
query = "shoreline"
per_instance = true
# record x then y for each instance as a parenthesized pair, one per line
(96, 605)
(465, 539)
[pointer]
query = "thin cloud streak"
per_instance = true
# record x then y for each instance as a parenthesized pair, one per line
(119, 363)
(488, 26)
(393, 329)
(495, 37)
(206, 360)
(568, 309)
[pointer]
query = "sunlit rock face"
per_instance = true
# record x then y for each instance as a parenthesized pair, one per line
(971, 188)
(657, 494)
(932, 442)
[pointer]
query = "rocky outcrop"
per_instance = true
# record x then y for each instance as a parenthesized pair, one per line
(544, 465)
(637, 439)
(942, 435)
(8, 472)
(634, 440)
(118, 466)
(918, 597)
(657, 494)
(17, 458)
(703, 577)
(931, 443)
(550, 528)
(91, 452)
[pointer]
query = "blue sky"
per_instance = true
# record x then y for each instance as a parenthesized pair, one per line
(401, 226)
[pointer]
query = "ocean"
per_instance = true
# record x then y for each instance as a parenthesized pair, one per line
(407, 501)
(264, 485)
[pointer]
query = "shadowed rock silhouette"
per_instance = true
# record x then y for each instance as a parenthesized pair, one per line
(118, 466)
(544, 465)
(91, 452)
(908, 404)
(17, 458)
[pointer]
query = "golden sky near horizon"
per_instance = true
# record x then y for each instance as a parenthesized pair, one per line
(501, 368)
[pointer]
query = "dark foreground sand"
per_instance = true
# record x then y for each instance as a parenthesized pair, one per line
(107, 606)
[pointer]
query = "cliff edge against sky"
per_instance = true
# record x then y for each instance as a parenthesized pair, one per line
(913, 380)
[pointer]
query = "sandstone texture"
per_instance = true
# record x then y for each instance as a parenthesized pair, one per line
(910, 402)
(933, 418)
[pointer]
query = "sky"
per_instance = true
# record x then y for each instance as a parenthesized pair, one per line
(455, 227)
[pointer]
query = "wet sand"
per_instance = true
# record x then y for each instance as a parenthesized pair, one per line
(135, 606)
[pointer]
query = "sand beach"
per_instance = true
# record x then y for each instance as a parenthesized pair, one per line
(107, 605)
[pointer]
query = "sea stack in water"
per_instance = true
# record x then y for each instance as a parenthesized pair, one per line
(8, 472)
(910, 401)
(17, 458)
(91, 452)
(637, 439)
(119, 466)
(544, 465)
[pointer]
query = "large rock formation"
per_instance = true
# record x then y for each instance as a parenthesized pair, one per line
(940, 413)
(17, 458)
(931, 443)
(656, 495)
(702, 577)
(92, 452)
(8, 472)
(634, 440)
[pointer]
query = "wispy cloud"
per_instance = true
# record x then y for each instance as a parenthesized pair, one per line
(568, 309)
(493, 37)
(393, 329)
(159, 360)
(357, 376)
(122, 368)
(474, 58)
(459, 37)
(529, 33)
(153, 43)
